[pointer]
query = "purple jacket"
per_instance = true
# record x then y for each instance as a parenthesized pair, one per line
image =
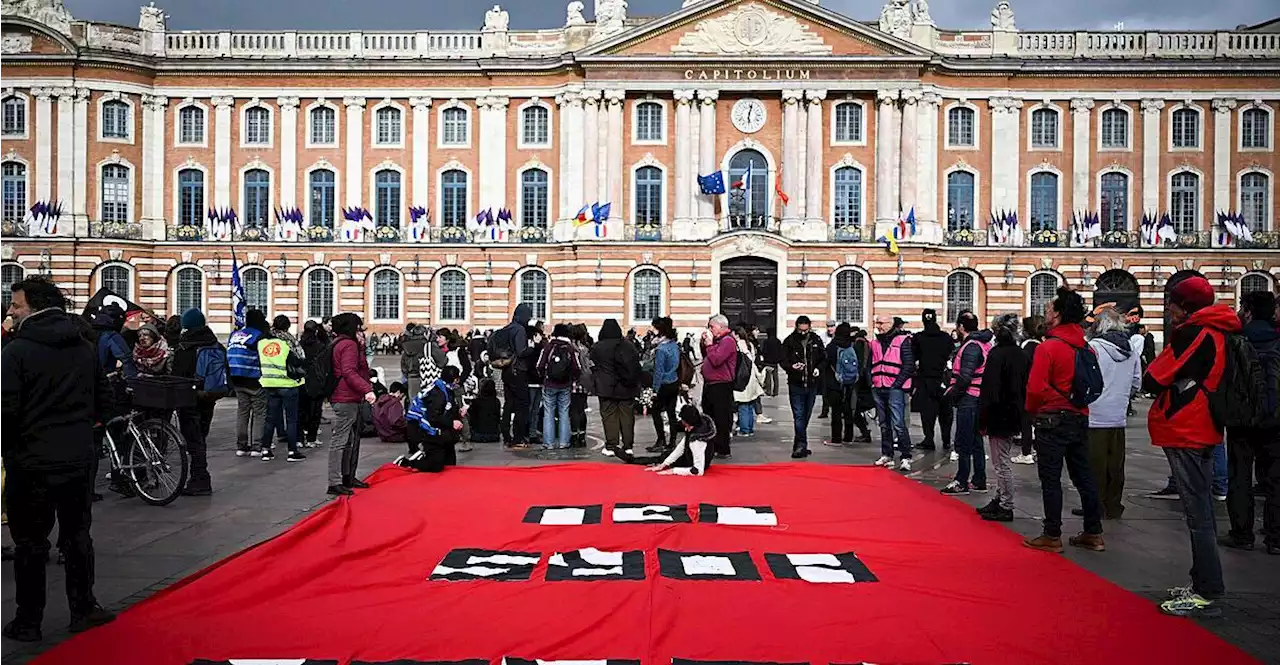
(720, 360)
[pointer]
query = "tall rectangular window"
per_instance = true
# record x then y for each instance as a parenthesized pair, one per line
(453, 197)
(191, 125)
(257, 126)
(190, 289)
(649, 122)
(1115, 128)
(960, 127)
(1253, 201)
(533, 199)
(959, 200)
(15, 116)
(387, 183)
(388, 126)
(322, 198)
(1044, 128)
(257, 198)
(191, 197)
(1255, 129)
(1115, 201)
(115, 120)
(14, 190)
(848, 119)
(454, 126)
(648, 195)
(386, 295)
(1184, 198)
(323, 121)
(115, 193)
(320, 293)
(256, 294)
(1044, 201)
(851, 303)
(646, 295)
(535, 126)
(1186, 128)
(453, 296)
(533, 292)
(848, 192)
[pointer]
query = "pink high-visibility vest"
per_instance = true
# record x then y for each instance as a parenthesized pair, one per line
(975, 385)
(886, 365)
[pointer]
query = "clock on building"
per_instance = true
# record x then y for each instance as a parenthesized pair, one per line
(748, 115)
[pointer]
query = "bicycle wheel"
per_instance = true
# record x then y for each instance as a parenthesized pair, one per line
(158, 462)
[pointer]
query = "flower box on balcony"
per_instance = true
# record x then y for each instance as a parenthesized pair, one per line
(648, 233)
(532, 234)
(386, 234)
(454, 234)
(1116, 239)
(1045, 238)
(319, 234)
(254, 234)
(848, 234)
(188, 232)
(960, 238)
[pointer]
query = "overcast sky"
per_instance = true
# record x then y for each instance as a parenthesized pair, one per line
(469, 14)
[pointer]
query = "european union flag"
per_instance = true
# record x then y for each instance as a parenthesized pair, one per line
(712, 184)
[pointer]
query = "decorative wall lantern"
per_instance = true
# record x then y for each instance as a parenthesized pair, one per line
(217, 266)
(488, 268)
(280, 269)
(599, 269)
(350, 268)
(1008, 269)
(46, 261)
(1084, 274)
(417, 266)
(804, 270)
(693, 272)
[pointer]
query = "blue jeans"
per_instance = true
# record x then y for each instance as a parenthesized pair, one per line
(969, 443)
(802, 400)
(1191, 469)
(747, 417)
(555, 404)
(891, 413)
(282, 416)
(1219, 472)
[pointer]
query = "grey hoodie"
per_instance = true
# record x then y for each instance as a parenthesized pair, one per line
(1121, 376)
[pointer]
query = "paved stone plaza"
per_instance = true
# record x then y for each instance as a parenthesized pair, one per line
(142, 549)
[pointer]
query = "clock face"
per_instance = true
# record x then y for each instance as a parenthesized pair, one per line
(748, 115)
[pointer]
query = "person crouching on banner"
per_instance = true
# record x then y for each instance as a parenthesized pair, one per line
(692, 456)
(434, 424)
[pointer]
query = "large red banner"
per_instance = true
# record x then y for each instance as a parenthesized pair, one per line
(787, 563)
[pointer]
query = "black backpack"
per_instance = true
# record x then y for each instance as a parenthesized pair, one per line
(321, 380)
(1086, 383)
(742, 372)
(502, 350)
(1269, 360)
(1238, 401)
(560, 363)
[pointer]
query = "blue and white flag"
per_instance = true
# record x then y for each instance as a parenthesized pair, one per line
(237, 293)
(712, 184)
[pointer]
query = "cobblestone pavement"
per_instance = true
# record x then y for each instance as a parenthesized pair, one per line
(142, 549)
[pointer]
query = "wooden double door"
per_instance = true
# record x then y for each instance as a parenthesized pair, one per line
(749, 292)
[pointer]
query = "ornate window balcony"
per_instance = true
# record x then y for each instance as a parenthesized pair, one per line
(115, 230)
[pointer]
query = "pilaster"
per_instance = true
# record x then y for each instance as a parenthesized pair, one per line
(684, 176)
(908, 139)
(354, 189)
(886, 148)
(590, 147)
(792, 168)
(493, 153)
(43, 173)
(1081, 144)
(222, 109)
(153, 180)
(814, 135)
(614, 100)
(707, 148)
(927, 163)
(288, 107)
(1151, 109)
(80, 184)
(1223, 109)
(1006, 122)
(421, 195)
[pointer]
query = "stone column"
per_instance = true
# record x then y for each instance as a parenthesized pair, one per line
(354, 189)
(222, 109)
(908, 184)
(793, 169)
(1151, 109)
(421, 195)
(695, 160)
(1081, 147)
(43, 174)
(288, 107)
(80, 158)
(152, 174)
(613, 163)
(590, 147)
(927, 165)
(886, 147)
(572, 147)
(1006, 121)
(1222, 148)
(66, 153)
(493, 153)
(685, 178)
(707, 148)
(814, 174)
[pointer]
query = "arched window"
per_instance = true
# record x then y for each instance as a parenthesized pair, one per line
(386, 295)
(1044, 201)
(256, 294)
(453, 196)
(1115, 128)
(13, 189)
(1253, 200)
(323, 125)
(649, 122)
(1255, 129)
(960, 205)
(851, 297)
(848, 122)
(115, 120)
(646, 295)
(388, 126)
(10, 274)
(257, 197)
(1044, 128)
(1251, 282)
(323, 198)
(533, 198)
(535, 125)
(960, 127)
(848, 196)
(320, 293)
(15, 117)
(744, 212)
(1116, 281)
(532, 291)
(189, 289)
(962, 295)
(1184, 198)
(1044, 288)
(1114, 199)
(1186, 128)
(115, 193)
(257, 126)
(191, 125)
(387, 183)
(117, 278)
(648, 195)
(454, 126)
(453, 296)
(190, 197)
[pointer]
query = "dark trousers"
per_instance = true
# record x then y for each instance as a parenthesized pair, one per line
(717, 402)
(1063, 437)
(1106, 460)
(1028, 433)
(309, 410)
(194, 424)
(844, 403)
(664, 402)
(282, 416)
(972, 464)
(515, 413)
(33, 499)
(860, 417)
(619, 419)
(935, 409)
(1193, 472)
(578, 419)
(802, 400)
(1247, 447)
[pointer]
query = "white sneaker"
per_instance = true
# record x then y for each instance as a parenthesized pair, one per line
(606, 452)
(904, 466)
(764, 420)
(255, 453)
(242, 453)
(884, 461)
(955, 456)
(1023, 459)
(629, 452)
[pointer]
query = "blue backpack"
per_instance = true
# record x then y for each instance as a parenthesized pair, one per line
(1086, 383)
(847, 366)
(212, 372)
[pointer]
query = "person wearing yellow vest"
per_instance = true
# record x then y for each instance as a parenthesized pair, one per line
(280, 365)
(963, 391)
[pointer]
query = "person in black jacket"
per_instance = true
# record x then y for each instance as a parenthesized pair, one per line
(841, 396)
(513, 339)
(615, 372)
(1032, 335)
(773, 356)
(485, 414)
(933, 348)
(315, 343)
(194, 422)
(865, 398)
(434, 424)
(52, 391)
(806, 357)
(1001, 409)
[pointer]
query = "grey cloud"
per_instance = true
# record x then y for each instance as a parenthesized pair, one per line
(469, 15)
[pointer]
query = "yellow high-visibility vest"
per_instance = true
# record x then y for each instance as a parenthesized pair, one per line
(272, 356)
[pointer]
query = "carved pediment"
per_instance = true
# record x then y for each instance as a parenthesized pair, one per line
(751, 29)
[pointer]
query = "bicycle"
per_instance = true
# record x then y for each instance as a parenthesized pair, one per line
(157, 454)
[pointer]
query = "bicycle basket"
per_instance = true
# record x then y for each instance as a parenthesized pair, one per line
(163, 392)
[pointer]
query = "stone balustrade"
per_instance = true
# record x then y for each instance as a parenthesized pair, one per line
(1137, 45)
(292, 45)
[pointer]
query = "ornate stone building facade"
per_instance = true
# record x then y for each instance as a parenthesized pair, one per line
(1026, 159)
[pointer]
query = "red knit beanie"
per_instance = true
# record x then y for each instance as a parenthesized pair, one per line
(1193, 293)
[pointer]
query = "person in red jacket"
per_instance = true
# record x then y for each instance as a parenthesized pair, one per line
(1062, 428)
(351, 368)
(1188, 369)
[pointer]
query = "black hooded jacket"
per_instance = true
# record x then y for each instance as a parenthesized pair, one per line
(516, 332)
(615, 364)
(188, 350)
(53, 391)
(933, 348)
(1004, 389)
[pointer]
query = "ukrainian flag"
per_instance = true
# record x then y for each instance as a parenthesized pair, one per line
(889, 244)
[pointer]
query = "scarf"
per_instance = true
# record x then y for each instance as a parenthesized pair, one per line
(151, 359)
